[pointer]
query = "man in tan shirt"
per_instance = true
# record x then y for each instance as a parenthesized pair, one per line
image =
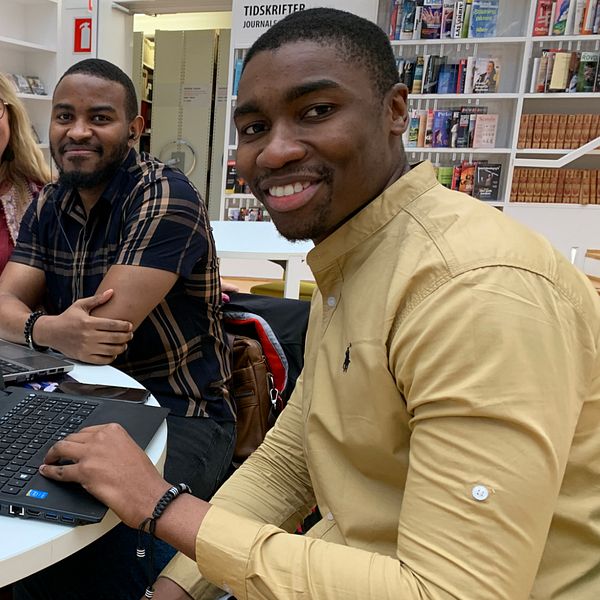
(447, 421)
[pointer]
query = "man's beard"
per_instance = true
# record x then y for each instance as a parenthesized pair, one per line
(89, 180)
(315, 225)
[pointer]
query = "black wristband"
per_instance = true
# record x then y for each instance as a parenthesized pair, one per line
(150, 522)
(28, 330)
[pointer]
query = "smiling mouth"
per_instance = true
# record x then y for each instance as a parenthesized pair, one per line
(280, 191)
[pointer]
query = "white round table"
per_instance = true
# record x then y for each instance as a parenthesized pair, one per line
(26, 545)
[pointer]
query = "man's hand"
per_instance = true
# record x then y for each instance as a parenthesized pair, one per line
(78, 334)
(112, 467)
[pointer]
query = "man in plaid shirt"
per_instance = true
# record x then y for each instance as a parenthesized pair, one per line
(120, 254)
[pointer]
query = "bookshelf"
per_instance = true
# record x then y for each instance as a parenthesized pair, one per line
(29, 34)
(515, 48)
(143, 80)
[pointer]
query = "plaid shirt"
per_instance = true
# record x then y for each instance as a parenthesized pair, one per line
(149, 215)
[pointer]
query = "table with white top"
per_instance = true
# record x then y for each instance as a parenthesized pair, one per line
(261, 240)
(28, 545)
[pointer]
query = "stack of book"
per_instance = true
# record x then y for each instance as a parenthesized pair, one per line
(479, 179)
(557, 131)
(567, 17)
(431, 74)
(463, 127)
(439, 19)
(565, 186)
(27, 84)
(565, 71)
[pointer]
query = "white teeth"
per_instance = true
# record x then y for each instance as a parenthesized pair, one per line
(289, 189)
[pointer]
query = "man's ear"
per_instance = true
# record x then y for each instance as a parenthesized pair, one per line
(136, 128)
(397, 101)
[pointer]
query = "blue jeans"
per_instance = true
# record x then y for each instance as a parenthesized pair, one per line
(199, 453)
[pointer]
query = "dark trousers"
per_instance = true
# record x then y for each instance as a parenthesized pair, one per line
(199, 453)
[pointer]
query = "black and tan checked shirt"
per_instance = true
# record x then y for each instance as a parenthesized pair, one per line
(149, 215)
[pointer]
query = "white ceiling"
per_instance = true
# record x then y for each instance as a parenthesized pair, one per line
(154, 7)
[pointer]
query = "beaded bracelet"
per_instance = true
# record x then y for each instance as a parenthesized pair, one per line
(150, 522)
(28, 330)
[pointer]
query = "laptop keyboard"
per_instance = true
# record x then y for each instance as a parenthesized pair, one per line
(29, 429)
(9, 368)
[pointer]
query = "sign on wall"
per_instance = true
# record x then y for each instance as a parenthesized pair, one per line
(251, 18)
(82, 35)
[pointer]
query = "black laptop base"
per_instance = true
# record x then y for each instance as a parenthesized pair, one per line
(30, 423)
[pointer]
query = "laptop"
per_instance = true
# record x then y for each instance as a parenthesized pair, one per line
(30, 422)
(19, 364)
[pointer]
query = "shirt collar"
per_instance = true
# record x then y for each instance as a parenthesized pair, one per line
(373, 216)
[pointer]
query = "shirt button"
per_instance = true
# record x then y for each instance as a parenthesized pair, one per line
(480, 493)
(329, 516)
(331, 301)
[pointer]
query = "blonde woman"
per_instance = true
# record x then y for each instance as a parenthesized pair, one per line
(23, 171)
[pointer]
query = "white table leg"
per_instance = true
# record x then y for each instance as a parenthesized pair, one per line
(291, 287)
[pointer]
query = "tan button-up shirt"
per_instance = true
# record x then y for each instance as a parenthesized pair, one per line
(447, 421)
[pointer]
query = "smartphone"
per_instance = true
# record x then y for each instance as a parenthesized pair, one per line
(112, 392)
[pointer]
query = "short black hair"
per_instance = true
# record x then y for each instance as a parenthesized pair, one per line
(356, 39)
(97, 67)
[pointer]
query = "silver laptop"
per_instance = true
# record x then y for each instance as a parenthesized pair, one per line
(19, 363)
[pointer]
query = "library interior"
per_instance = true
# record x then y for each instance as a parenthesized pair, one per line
(502, 103)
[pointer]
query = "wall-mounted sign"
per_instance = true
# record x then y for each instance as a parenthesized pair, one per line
(251, 18)
(82, 35)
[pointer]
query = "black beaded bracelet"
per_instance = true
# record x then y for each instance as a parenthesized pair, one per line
(28, 330)
(150, 523)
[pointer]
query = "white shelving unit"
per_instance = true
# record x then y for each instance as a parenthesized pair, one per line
(142, 75)
(515, 48)
(29, 34)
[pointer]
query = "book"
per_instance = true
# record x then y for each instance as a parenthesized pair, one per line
(21, 83)
(431, 20)
(487, 181)
(457, 18)
(559, 78)
(586, 76)
(484, 133)
(237, 74)
(484, 16)
(454, 123)
(522, 136)
(442, 120)
(462, 138)
(422, 127)
(417, 82)
(444, 176)
(467, 177)
(486, 75)
(431, 81)
(464, 32)
(461, 76)
(413, 129)
(447, 79)
(447, 18)
(408, 73)
(561, 16)
(418, 21)
(455, 177)
(409, 9)
(468, 87)
(429, 129)
(36, 85)
(543, 13)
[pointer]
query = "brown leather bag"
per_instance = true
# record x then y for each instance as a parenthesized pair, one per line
(252, 389)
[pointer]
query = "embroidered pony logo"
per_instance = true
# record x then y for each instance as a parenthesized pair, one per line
(346, 359)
